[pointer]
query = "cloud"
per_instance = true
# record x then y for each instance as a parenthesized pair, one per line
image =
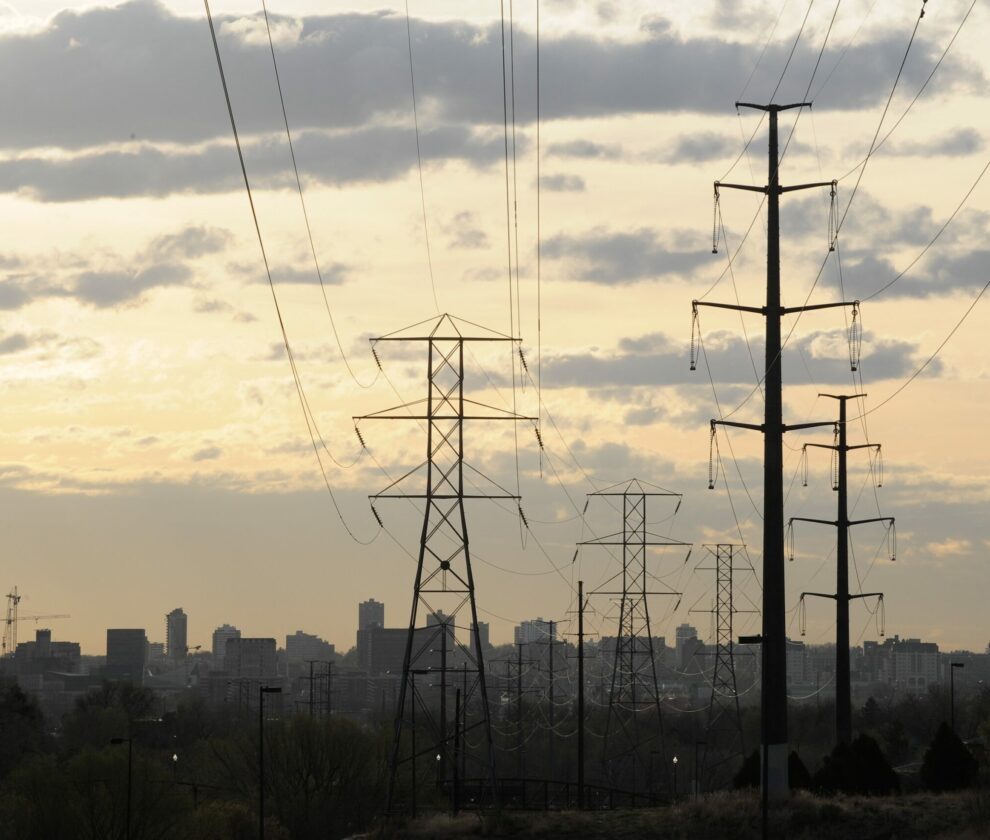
(701, 147)
(375, 154)
(584, 149)
(118, 281)
(104, 289)
(189, 243)
(957, 143)
(100, 89)
(207, 453)
(464, 233)
(563, 183)
(655, 359)
(939, 274)
(616, 258)
(949, 547)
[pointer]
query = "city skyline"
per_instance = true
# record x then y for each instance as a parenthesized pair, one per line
(154, 452)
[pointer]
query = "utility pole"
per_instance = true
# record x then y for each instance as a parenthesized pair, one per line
(774, 647)
(444, 577)
(635, 688)
(842, 522)
(581, 695)
(723, 734)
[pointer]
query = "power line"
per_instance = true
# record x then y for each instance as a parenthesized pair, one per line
(419, 160)
(310, 421)
(302, 202)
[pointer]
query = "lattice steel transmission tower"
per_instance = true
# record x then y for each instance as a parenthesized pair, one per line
(444, 583)
(842, 522)
(724, 735)
(635, 693)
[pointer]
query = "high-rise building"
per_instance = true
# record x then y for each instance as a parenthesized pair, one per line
(176, 640)
(247, 657)
(302, 646)
(220, 636)
(371, 613)
(483, 634)
(127, 652)
(685, 637)
(535, 630)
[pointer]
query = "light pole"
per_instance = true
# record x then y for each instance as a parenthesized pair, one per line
(697, 775)
(130, 753)
(262, 691)
(675, 778)
(764, 770)
(952, 692)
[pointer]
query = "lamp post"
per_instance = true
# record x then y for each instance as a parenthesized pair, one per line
(675, 778)
(262, 691)
(764, 770)
(130, 754)
(952, 692)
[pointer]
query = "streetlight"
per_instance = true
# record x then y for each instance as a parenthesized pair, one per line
(952, 692)
(757, 639)
(675, 777)
(262, 691)
(130, 751)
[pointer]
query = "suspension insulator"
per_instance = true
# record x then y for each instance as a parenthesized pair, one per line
(804, 466)
(879, 467)
(711, 459)
(522, 358)
(374, 353)
(360, 437)
(855, 338)
(833, 216)
(892, 537)
(574, 558)
(522, 516)
(695, 335)
(378, 518)
(715, 220)
(790, 541)
(539, 437)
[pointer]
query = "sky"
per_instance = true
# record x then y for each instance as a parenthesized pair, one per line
(154, 453)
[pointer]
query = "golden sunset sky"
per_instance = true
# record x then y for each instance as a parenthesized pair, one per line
(154, 453)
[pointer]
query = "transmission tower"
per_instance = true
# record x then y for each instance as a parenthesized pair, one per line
(773, 638)
(626, 750)
(723, 733)
(843, 690)
(444, 583)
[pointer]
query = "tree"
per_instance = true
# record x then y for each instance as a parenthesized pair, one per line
(948, 765)
(800, 778)
(872, 715)
(859, 768)
(21, 727)
(749, 774)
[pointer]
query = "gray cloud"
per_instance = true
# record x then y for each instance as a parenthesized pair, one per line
(374, 154)
(613, 258)
(207, 453)
(119, 281)
(350, 70)
(563, 183)
(463, 232)
(655, 359)
(584, 149)
(957, 143)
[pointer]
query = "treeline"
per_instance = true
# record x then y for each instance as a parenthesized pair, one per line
(191, 774)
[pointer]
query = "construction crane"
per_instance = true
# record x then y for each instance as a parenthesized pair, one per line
(9, 644)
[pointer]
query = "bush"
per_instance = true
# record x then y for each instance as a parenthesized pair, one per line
(948, 765)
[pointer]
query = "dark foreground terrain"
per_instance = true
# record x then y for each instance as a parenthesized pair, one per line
(735, 816)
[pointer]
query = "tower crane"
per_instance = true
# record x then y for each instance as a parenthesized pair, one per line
(9, 644)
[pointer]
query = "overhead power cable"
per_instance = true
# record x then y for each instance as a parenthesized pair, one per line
(302, 202)
(419, 161)
(310, 421)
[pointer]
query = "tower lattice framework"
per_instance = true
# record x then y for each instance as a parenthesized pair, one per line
(436, 661)
(634, 721)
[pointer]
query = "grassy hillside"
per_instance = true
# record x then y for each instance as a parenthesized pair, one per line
(735, 816)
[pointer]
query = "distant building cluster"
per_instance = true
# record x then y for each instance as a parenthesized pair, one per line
(365, 681)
